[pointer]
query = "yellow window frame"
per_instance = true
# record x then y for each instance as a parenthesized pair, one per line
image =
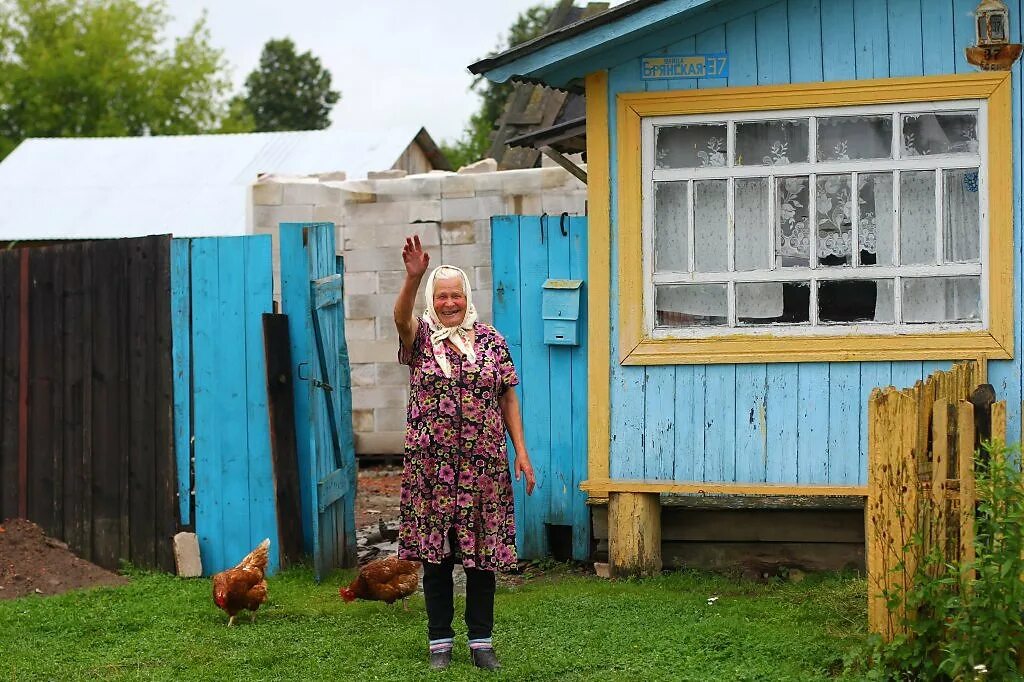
(636, 347)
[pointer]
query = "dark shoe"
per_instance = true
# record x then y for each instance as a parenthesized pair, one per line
(485, 658)
(439, 660)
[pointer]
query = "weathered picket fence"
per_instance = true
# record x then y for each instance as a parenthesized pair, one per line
(921, 448)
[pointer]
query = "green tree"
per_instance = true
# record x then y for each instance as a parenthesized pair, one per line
(83, 68)
(476, 137)
(288, 91)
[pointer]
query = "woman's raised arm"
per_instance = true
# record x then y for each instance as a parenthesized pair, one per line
(416, 261)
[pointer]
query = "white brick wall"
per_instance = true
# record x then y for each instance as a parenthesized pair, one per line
(451, 214)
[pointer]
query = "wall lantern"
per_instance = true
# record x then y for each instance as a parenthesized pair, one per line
(993, 51)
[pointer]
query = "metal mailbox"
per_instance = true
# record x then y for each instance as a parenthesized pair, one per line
(560, 308)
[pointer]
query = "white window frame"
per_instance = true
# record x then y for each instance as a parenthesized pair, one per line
(814, 273)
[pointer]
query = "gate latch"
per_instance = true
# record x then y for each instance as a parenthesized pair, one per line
(316, 382)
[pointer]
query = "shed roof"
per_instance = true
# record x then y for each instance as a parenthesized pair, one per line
(186, 185)
(564, 56)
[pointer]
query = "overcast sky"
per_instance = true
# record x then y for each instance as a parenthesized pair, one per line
(396, 62)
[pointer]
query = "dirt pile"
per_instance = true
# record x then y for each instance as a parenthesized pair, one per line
(32, 563)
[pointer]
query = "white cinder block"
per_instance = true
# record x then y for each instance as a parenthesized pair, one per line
(267, 193)
(186, 555)
(467, 255)
(330, 213)
(315, 193)
(373, 351)
(380, 443)
(269, 217)
(456, 186)
(556, 203)
(369, 305)
(363, 421)
(357, 283)
(360, 329)
(483, 231)
(556, 177)
(473, 208)
(392, 213)
(483, 277)
(367, 397)
(386, 328)
(392, 374)
(525, 181)
(424, 210)
(524, 204)
(390, 281)
(361, 236)
(463, 232)
(389, 419)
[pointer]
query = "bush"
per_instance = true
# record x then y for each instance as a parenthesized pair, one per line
(964, 620)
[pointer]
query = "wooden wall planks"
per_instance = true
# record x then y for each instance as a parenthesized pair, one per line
(99, 412)
(814, 428)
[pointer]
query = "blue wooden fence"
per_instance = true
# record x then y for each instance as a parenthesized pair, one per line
(220, 289)
(526, 251)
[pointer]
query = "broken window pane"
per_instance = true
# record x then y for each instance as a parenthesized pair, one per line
(941, 299)
(772, 302)
(917, 217)
(846, 138)
(952, 132)
(834, 220)
(855, 301)
(690, 146)
(771, 143)
(961, 223)
(753, 239)
(711, 224)
(671, 217)
(793, 237)
(875, 219)
(691, 305)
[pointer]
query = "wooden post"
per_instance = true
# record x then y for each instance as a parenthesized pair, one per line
(634, 534)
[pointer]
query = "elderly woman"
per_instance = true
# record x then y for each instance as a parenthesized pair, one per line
(456, 488)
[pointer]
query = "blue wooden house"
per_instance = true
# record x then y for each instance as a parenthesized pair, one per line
(791, 202)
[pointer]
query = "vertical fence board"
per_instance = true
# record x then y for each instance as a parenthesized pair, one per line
(40, 395)
(812, 434)
(536, 377)
(560, 491)
(181, 349)
(580, 511)
(9, 334)
(166, 523)
(258, 292)
(141, 405)
(71, 325)
(751, 423)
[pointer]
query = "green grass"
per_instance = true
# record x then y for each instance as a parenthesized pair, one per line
(560, 627)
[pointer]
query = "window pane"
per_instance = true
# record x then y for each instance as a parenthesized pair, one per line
(954, 132)
(961, 224)
(855, 301)
(941, 299)
(845, 138)
(691, 305)
(690, 146)
(791, 230)
(671, 244)
(834, 215)
(710, 222)
(772, 302)
(753, 237)
(771, 143)
(917, 217)
(875, 219)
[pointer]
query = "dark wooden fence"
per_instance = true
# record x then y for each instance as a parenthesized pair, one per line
(86, 407)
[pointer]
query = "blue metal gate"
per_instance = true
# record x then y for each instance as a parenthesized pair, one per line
(526, 251)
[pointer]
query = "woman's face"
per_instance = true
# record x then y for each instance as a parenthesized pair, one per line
(449, 301)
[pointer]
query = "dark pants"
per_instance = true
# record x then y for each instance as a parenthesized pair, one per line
(439, 593)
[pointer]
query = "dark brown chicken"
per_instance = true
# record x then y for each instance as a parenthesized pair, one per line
(243, 586)
(388, 580)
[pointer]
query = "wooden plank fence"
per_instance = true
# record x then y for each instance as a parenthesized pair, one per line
(921, 448)
(86, 443)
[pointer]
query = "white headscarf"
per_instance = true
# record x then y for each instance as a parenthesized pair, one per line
(460, 335)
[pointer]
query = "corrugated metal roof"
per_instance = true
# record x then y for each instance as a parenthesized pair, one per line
(185, 185)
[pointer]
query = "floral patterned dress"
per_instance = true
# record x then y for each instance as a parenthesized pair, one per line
(456, 472)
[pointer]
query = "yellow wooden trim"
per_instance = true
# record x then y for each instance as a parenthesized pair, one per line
(996, 342)
(598, 274)
(598, 488)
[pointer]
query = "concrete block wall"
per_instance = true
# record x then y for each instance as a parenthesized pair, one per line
(450, 212)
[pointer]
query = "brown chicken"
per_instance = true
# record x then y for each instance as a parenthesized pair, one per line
(388, 580)
(243, 586)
